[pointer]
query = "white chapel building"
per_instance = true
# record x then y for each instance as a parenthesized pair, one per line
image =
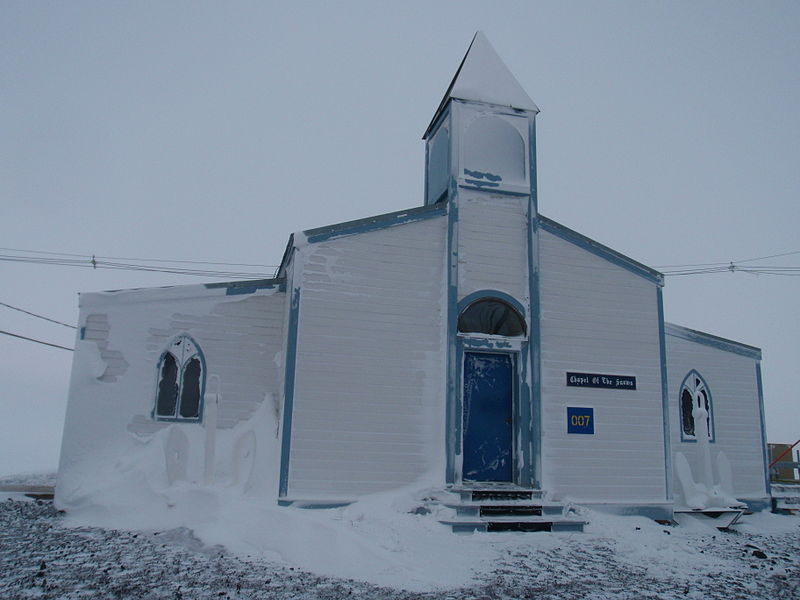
(465, 343)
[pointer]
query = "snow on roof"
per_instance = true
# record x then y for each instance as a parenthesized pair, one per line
(484, 77)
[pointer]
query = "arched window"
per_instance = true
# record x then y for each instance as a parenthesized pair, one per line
(494, 151)
(491, 316)
(695, 391)
(181, 381)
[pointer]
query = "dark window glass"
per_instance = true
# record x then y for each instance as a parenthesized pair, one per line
(190, 390)
(491, 316)
(694, 392)
(686, 412)
(167, 387)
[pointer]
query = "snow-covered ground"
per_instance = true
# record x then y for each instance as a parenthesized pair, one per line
(45, 554)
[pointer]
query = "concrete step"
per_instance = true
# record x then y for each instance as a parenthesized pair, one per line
(514, 523)
(505, 507)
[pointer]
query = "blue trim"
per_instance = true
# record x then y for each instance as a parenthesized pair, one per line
(469, 184)
(517, 347)
(533, 415)
(315, 505)
(201, 405)
(233, 288)
(712, 433)
(600, 250)
(453, 427)
(662, 348)
(288, 389)
(82, 333)
(713, 341)
(764, 447)
(377, 222)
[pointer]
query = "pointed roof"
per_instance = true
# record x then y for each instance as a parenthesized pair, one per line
(482, 76)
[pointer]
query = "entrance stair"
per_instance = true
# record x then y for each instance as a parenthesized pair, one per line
(488, 508)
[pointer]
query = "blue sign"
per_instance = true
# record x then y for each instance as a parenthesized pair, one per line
(580, 420)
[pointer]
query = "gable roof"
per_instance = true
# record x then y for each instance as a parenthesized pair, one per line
(707, 339)
(600, 250)
(482, 76)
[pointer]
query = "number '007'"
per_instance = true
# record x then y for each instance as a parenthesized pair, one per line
(580, 420)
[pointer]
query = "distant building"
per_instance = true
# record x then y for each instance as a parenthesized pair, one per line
(467, 343)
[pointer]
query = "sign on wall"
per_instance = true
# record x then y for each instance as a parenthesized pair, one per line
(580, 420)
(599, 380)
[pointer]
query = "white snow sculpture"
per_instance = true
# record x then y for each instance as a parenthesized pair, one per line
(243, 459)
(176, 451)
(704, 493)
(211, 400)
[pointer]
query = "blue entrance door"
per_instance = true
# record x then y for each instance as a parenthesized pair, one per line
(488, 422)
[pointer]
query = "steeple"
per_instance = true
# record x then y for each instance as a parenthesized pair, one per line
(482, 76)
(482, 134)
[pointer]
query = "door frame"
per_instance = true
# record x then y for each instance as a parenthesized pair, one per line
(525, 412)
(514, 356)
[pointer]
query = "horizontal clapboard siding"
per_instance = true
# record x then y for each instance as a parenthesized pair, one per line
(240, 337)
(368, 396)
(731, 378)
(597, 317)
(493, 244)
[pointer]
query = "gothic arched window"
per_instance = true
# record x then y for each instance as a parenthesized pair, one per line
(695, 392)
(491, 316)
(181, 381)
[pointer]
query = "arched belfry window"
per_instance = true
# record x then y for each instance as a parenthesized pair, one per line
(181, 381)
(491, 316)
(494, 152)
(695, 393)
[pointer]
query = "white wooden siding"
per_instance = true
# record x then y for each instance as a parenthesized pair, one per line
(239, 335)
(597, 317)
(732, 381)
(492, 244)
(370, 374)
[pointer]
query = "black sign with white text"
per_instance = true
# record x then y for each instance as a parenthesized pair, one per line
(597, 380)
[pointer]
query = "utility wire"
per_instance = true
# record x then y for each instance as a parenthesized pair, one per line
(95, 263)
(734, 267)
(27, 312)
(165, 260)
(22, 337)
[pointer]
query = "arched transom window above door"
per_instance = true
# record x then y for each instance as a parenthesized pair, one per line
(491, 316)
(181, 380)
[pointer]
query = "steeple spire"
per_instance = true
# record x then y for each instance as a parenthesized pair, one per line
(484, 77)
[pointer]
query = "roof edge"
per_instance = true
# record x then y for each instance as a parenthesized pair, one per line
(707, 339)
(601, 250)
(383, 221)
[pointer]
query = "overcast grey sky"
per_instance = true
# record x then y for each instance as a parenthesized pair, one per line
(211, 131)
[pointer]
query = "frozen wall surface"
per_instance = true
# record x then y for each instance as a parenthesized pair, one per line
(599, 317)
(729, 375)
(492, 244)
(239, 331)
(368, 404)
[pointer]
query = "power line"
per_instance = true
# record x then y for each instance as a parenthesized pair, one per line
(27, 312)
(725, 266)
(165, 260)
(94, 263)
(22, 337)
